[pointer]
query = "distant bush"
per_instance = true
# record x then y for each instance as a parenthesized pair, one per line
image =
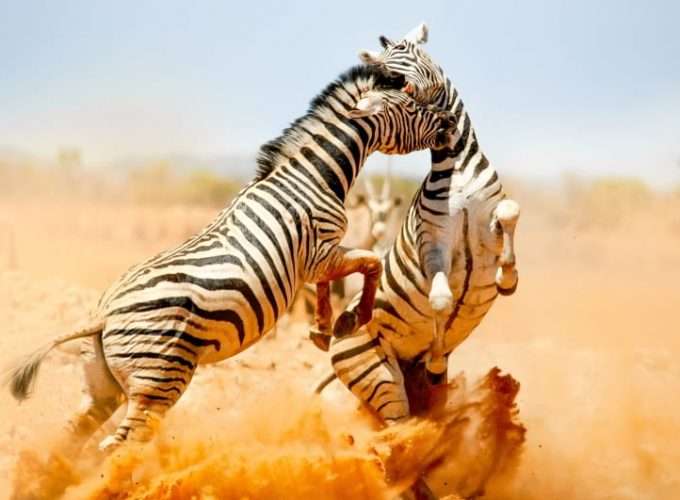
(206, 187)
(160, 183)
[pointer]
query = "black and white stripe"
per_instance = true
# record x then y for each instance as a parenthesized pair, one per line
(220, 291)
(372, 226)
(443, 272)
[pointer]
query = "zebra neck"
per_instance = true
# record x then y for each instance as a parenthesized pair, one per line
(458, 171)
(331, 155)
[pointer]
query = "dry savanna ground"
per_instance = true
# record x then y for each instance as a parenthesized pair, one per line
(592, 336)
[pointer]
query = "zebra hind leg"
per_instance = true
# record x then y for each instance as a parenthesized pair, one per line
(375, 377)
(372, 375)
(102, 395)
(149, 398)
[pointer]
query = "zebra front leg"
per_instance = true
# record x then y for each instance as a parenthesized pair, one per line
(503, 222)
(437, 262)
(320, 333)
(344, 262)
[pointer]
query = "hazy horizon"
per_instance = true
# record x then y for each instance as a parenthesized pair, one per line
(564, 87)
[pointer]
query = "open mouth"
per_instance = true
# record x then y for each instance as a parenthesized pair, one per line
(397, 81)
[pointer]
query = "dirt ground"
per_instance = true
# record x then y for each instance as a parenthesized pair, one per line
(592, 336)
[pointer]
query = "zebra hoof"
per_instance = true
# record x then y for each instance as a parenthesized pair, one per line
(506, 282)
(109, 444)
(436, 378)
(321, 340)
(507, 291)
(346, 324)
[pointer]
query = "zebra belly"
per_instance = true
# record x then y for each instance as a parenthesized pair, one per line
(411, 334)
(182, 326)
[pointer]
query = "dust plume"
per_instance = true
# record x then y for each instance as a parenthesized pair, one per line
(591, 335)
(314, 448)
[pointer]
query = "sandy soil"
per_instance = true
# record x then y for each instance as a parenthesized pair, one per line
(591, 336)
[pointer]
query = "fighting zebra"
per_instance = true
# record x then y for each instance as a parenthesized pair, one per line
(375, 231)
(452, 257)
(220, 291)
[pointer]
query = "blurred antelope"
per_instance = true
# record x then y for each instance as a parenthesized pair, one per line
(382, 211)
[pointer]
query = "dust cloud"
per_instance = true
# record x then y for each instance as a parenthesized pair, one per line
(309, 450)
(585, 405)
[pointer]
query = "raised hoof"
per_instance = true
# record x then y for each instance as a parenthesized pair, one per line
(507, 291)
(321, 340)
(506, 281)
(346, 324)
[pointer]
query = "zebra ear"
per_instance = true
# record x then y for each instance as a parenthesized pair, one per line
(369, 57)
(385, 42)
(369, 105)
(418, 34)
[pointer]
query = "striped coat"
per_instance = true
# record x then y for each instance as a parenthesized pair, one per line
(220, 291)
(452, 257)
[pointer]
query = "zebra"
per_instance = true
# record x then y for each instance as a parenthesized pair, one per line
(453, 255)
(223, 289)
(376, 233)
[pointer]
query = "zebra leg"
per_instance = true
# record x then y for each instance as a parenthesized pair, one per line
(436, 257)
(345, 261)
(503, 223)
(102, 395)
(424, 391)
(361, 362)
(149, 398)
(441, 300)
(320, 333)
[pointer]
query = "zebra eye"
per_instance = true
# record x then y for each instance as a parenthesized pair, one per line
(400, 46)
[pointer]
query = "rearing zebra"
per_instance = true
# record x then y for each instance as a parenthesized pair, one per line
(220, 291)
(452, 257)
(376, 234)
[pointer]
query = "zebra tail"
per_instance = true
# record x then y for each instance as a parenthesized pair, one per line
(21, 378)
(327, 380)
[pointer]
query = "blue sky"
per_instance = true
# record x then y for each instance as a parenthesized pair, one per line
(552, 86)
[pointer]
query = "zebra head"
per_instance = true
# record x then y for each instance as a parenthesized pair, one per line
(425, 80)
(399, 124)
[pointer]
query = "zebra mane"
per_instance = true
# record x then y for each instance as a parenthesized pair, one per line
(273, 151)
